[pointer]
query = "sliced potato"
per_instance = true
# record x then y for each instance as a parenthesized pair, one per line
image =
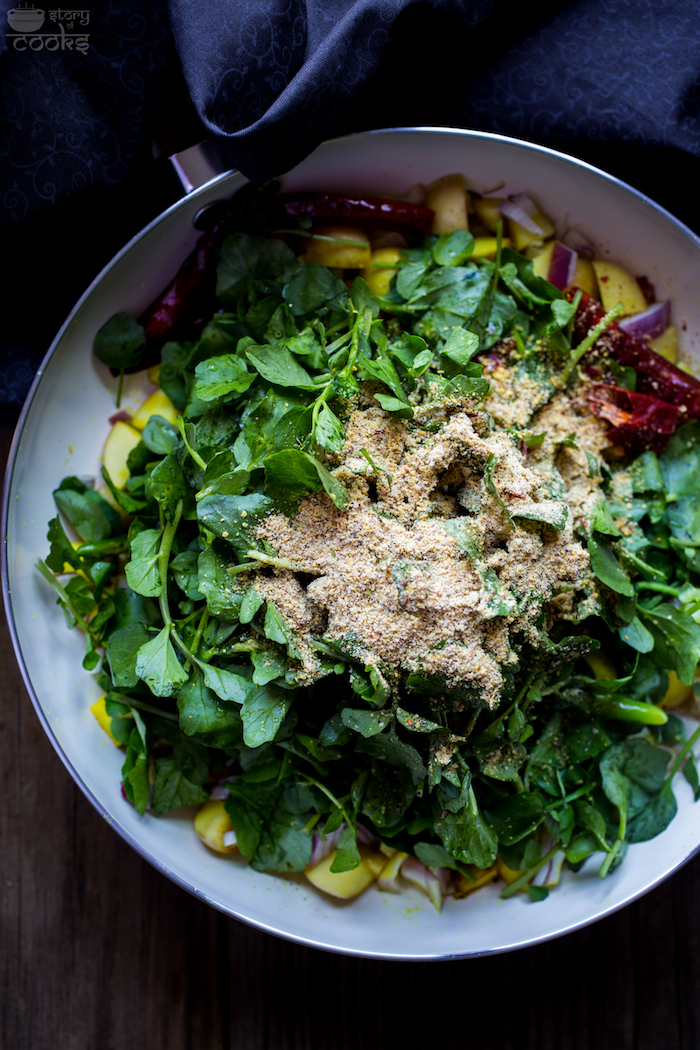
(354, 255)
(378, 274)
(389, 876)
(121, 439)
(482, 877)
(487, 210)
(506, 873)
(342, 884)
(666, 344)
(486, 247)
(212, 823)
(540, 263)
(677, 693)
(157, 404)
(523, 238)
(99, 710)
(585, 278)
(447, 197)
(617, 285)
(154, 374)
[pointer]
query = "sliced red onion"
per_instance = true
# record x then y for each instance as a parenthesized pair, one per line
(550, 874)
(522, 209)
(220, 791)
(433, 881)
(573, 238)
(120, 417)
(650, 324)
(562, 265)
(229, 838)
(323, 846)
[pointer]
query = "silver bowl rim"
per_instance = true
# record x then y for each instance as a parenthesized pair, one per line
(7, 595)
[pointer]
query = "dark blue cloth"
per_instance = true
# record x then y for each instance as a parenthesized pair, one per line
(614, 81)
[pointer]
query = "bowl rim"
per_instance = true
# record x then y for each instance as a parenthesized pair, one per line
(7, 594)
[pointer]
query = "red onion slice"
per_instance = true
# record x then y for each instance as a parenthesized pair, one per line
(650, 324)
(562, 266)
(433, 881)
(522, 209)
(322, 847)
(120, 417)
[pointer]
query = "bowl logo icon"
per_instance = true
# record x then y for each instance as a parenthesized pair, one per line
(25, 19)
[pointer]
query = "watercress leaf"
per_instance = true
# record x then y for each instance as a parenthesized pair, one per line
(269, 664)
(328, 432)
(601, 519)
(458, 350)
(654, 817)
(220, 376)
(234, 518)
(312, 287)
(284, 845)
(637, 636)
(415, 723)
(252, 600)
(676, 639)
(158, 666)
(202, 714)
(366, 723)
(184, 569)
(363, 299)
(452, 249)
(217, 587)
(159, 436)
(172, 789)
(247, 262)
(135, 772)
(394, 752)
(515, 817)
(347, 856)
(122, 648)
(679, 462)
(142, 573)
(607, 568)
(226, 684)
(263, 712)
(279, 366)
(120, 342)
(690, 772)
(291, 474)
(87, 515)
(168, 485)
(467, 836)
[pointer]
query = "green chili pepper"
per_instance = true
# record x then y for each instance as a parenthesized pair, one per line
(631, 710)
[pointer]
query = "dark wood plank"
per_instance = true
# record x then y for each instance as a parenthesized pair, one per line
(98, 951)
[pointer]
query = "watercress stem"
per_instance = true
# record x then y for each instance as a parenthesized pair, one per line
(511, 890)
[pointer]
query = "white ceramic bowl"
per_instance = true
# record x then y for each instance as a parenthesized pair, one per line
(63, 428)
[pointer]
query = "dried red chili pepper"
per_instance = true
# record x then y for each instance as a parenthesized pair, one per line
(655, 375)
(358, 207)
(639, 421)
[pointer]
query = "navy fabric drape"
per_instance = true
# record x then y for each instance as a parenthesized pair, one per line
(614, 81)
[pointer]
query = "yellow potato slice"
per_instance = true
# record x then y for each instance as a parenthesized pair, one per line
(677, 693)
(343, 884)
(486, 247)
(666, 344)
(121, 439)
(482, 877)
(105, 722)
(487, 210)
(157, 404)
(378, 274)
(211, 824)
(354, 255)
(447, 197)
(617, 285)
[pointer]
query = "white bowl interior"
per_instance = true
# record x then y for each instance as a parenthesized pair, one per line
(63, 431)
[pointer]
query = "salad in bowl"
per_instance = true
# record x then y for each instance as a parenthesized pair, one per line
(394, 573)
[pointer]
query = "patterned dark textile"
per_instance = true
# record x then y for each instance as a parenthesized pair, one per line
(614, 81)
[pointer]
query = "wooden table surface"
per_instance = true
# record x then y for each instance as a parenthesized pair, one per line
(101, 952)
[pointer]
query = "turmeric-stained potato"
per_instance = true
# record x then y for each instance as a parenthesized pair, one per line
(212, 823)
(347, 247)
(157, 404)
(677, 693)
(447, 197)
(379, 273)
(104, 721)
(120, 441)
(486, 247)
(487, 210)
(342, 884)
(617, 285)
(666, 344)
